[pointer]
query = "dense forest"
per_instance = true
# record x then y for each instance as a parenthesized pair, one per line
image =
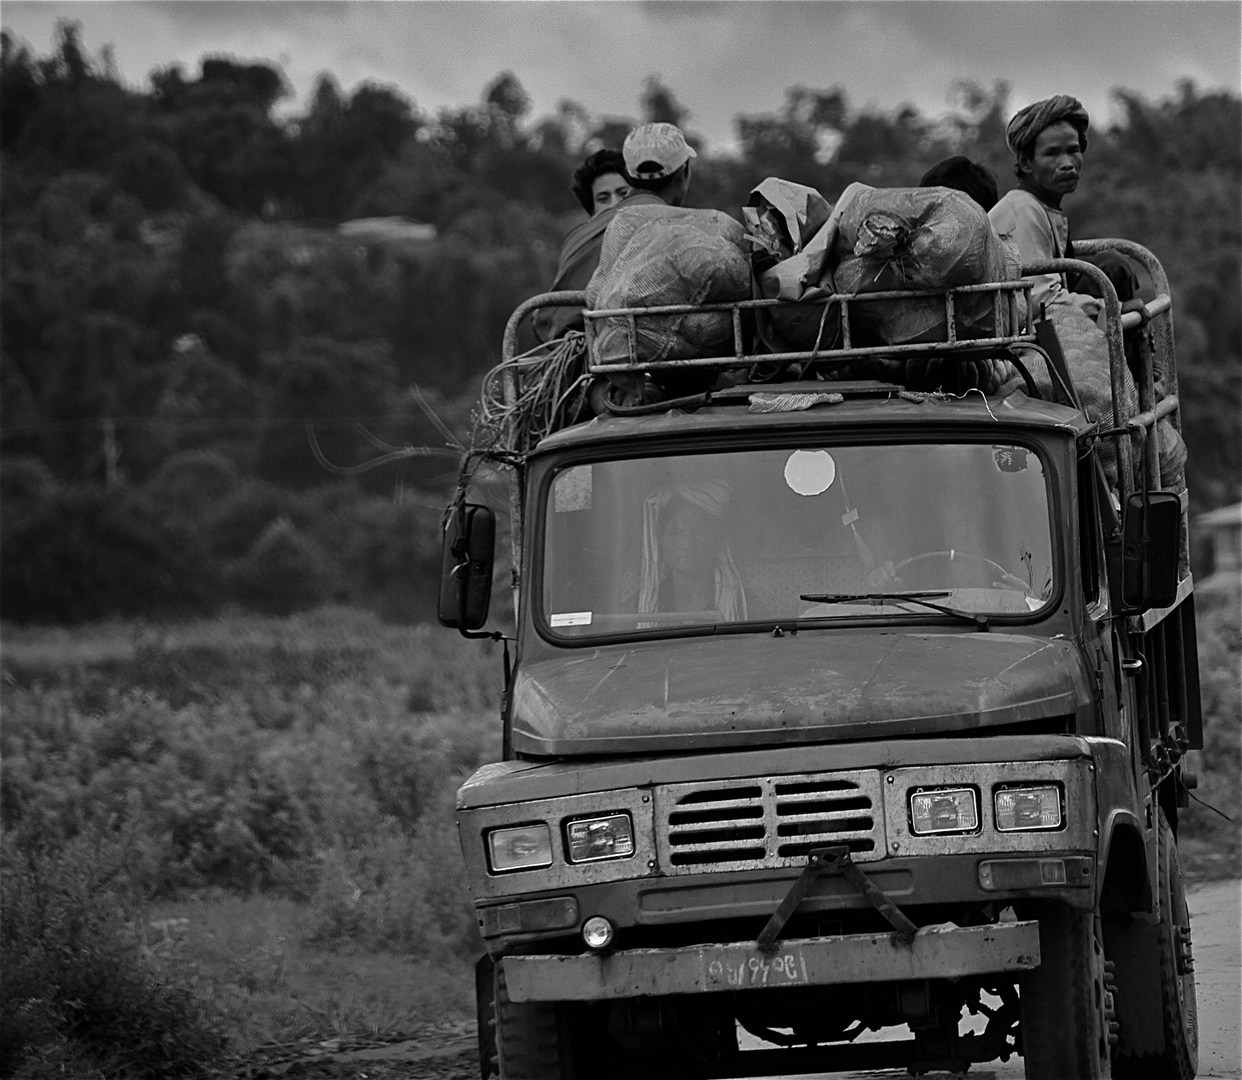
(178, 299)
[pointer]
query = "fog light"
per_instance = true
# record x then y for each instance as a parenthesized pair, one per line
(943, 810)
(598, 932)
(1027, 809)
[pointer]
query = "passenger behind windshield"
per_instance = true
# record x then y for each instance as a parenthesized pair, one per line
(687, 564)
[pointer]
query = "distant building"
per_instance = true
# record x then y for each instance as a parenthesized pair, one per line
(1221, 530)
(387, 230)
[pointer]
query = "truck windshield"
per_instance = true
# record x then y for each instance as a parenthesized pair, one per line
(648, 545)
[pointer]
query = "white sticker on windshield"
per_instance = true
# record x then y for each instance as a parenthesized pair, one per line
(571, 490)
(572, 618)
(810, 472)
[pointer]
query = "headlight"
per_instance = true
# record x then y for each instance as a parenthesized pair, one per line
(944, 810)
(595, 838)
(526, 847)
(1025, 809)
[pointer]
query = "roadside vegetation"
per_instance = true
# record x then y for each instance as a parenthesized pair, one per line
(247, 822)
(223, 833)
(229, 749)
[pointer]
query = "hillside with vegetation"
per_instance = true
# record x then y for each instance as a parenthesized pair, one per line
(229, 749)
(178, 300)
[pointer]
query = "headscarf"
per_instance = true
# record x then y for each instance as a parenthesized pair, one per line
(1029, 122)
(710, 496)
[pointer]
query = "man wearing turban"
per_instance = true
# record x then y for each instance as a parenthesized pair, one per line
(1048, 139)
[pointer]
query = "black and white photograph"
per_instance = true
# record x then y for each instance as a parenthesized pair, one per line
(620, 539)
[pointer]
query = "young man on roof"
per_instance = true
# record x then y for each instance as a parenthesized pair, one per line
(657, 163)
(600, 182)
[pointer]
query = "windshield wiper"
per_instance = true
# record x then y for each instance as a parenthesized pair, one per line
(978, 620)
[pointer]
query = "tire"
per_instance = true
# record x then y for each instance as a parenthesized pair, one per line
(532, 1037)
(1066, 1002)
(1179, 1014)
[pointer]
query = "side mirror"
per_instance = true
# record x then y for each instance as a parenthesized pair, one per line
(466, 567)
(1150, 533)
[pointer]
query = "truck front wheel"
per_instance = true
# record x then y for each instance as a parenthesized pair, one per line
(1179, 1014)
(533, 1040)
(1066, 1002)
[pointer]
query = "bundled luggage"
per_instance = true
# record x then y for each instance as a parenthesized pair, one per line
(916, 238)
(661, 255)
(787, 225)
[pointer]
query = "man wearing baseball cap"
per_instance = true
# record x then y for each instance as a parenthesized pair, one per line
(657, 163)
(657, 157)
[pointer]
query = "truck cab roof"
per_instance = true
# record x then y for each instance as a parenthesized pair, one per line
(857, 404)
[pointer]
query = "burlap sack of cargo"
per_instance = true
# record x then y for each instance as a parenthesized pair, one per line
(659, 255)
(991, 375)
(1086, 356)
(915, 238)
(786, 225)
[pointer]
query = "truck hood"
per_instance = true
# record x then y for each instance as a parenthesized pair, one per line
(760, 690)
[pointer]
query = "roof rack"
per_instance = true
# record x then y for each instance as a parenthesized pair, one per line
(1155, 352)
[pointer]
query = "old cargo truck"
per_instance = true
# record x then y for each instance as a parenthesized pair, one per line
(835, 716)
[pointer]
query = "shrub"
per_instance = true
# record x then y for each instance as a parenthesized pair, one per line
(87, 552)
(78, 997)
(192, 481)
(284, 571)
(243, 515)
(25, 481)
(1212, 845)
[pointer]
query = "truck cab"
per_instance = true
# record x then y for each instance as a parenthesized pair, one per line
(835, 709)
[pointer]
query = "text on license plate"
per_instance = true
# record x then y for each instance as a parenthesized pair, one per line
(749, 969)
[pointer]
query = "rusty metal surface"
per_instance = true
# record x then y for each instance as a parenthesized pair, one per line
(562, 874)
(653, 698)
(505, 782)
(1076, 834)
(951, 952)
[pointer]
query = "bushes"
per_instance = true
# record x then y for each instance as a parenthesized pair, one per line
(197, 536)
(1210, 843)
(78, 997)
(283, 572)
(284, 749)
(84, 552)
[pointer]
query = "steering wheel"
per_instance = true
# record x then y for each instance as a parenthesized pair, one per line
(953, 555)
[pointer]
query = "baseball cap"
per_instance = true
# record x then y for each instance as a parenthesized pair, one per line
(654, 151)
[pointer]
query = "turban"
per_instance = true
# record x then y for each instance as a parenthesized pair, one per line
(1027, 124)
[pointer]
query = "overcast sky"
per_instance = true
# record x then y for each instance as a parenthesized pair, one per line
(720, 59)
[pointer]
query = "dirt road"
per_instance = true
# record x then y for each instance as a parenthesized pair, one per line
(447, 1052)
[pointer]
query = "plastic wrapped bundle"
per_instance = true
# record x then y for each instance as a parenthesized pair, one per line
(787, 224)
(658, 255)
(917, 238)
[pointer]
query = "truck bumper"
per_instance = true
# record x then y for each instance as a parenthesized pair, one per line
(935, 953)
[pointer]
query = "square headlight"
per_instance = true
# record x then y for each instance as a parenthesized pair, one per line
(526, 847)
(595, 838)
(1028, 808)
(943, 810)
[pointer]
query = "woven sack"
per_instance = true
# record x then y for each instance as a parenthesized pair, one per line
(658, 255)
(917, 238)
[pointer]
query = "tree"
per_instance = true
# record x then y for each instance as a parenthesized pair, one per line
(660, 104)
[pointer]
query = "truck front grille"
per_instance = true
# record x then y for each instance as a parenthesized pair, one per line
(774, 821)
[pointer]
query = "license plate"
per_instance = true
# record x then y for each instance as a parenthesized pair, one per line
(750, 969)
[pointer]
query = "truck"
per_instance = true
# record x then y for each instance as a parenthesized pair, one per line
(844, 726)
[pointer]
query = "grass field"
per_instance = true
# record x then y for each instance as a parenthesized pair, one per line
(227, 833)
